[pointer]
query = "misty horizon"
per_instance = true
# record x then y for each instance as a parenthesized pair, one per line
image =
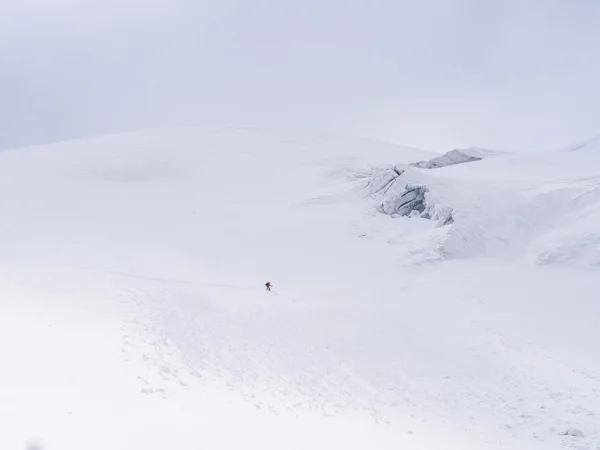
(438, 75)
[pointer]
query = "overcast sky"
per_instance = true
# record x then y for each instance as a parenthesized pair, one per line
(435, 74)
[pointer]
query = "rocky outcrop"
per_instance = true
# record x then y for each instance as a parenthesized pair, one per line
(448, 159)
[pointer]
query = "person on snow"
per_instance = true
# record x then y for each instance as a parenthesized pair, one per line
(268, 285)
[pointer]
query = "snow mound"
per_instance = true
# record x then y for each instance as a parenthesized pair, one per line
(573, 239)
(542, 208)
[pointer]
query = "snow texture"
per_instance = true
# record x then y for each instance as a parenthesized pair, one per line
(134, 314)
(409, 199)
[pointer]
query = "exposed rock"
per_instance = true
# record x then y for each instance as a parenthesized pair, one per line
(448, 159)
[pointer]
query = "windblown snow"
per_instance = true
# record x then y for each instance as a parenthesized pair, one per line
(411, 308)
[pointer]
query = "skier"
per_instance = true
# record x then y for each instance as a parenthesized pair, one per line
(268, 285)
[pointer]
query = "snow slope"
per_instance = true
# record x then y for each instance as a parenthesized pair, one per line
(135, 317)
